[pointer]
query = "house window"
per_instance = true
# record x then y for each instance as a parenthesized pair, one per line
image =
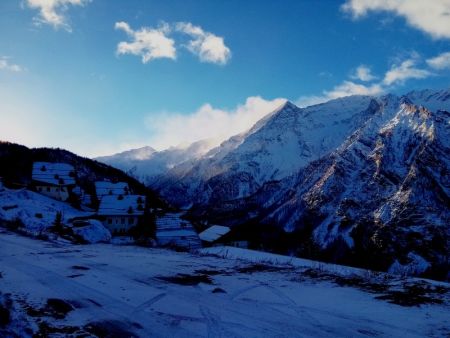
(109, 220)
(130, 220)
(123, 220)
(48, 189)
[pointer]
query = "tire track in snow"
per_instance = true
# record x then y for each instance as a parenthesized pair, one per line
(215, 325)
(148, 303)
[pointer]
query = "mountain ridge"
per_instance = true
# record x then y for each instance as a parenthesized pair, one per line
(356, 180)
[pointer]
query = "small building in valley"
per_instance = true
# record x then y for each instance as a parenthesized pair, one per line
(213, 234)
(173, 231)
(119, 213)
(217, 235)
(54, 180)
(105, 188)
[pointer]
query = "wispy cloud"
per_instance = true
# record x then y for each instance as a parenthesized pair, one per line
(326, 74)
(208, 122)
(207, 46)
(363, 73)
(8, 66)
(431, 17)
(442, 61)
(149, 43)
(52, 12)
(405, 71)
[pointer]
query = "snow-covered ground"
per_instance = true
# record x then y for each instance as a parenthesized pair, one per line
(93, 232)
(132, 291)
(37, 212)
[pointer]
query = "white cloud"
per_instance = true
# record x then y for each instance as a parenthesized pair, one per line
(363, 73)
(346, 88)
(432, 16)
(51, 12)
(350, 88)
(208, 123)
(154, 43)
(149, 43)
(406, 70)
(6, 65)
(209, 47)
(442, 61)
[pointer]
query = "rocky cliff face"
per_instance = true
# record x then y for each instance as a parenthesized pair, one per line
(383, 194)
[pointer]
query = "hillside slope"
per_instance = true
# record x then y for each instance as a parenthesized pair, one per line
(16, 163)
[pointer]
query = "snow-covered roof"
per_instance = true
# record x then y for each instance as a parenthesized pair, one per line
(171, 229)
(77, 190)
(53, 173)
(213, 233)
(176, 233)
(122, 205)
(104, 188)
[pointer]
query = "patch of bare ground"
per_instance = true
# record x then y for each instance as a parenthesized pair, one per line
(392, 289)
(187, 279)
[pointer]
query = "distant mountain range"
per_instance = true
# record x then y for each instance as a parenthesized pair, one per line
(146, 164)
(359, 180)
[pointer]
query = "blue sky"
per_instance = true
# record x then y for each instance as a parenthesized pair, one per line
(72, 74)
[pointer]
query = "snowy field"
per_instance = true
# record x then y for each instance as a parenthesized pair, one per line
(132, 291)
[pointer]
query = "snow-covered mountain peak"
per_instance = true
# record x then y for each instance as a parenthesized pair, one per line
(286, 106)
(146, 163)
(130, 155)
(197, 147)
(143, 153)
(431, 99)
(340, 109)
